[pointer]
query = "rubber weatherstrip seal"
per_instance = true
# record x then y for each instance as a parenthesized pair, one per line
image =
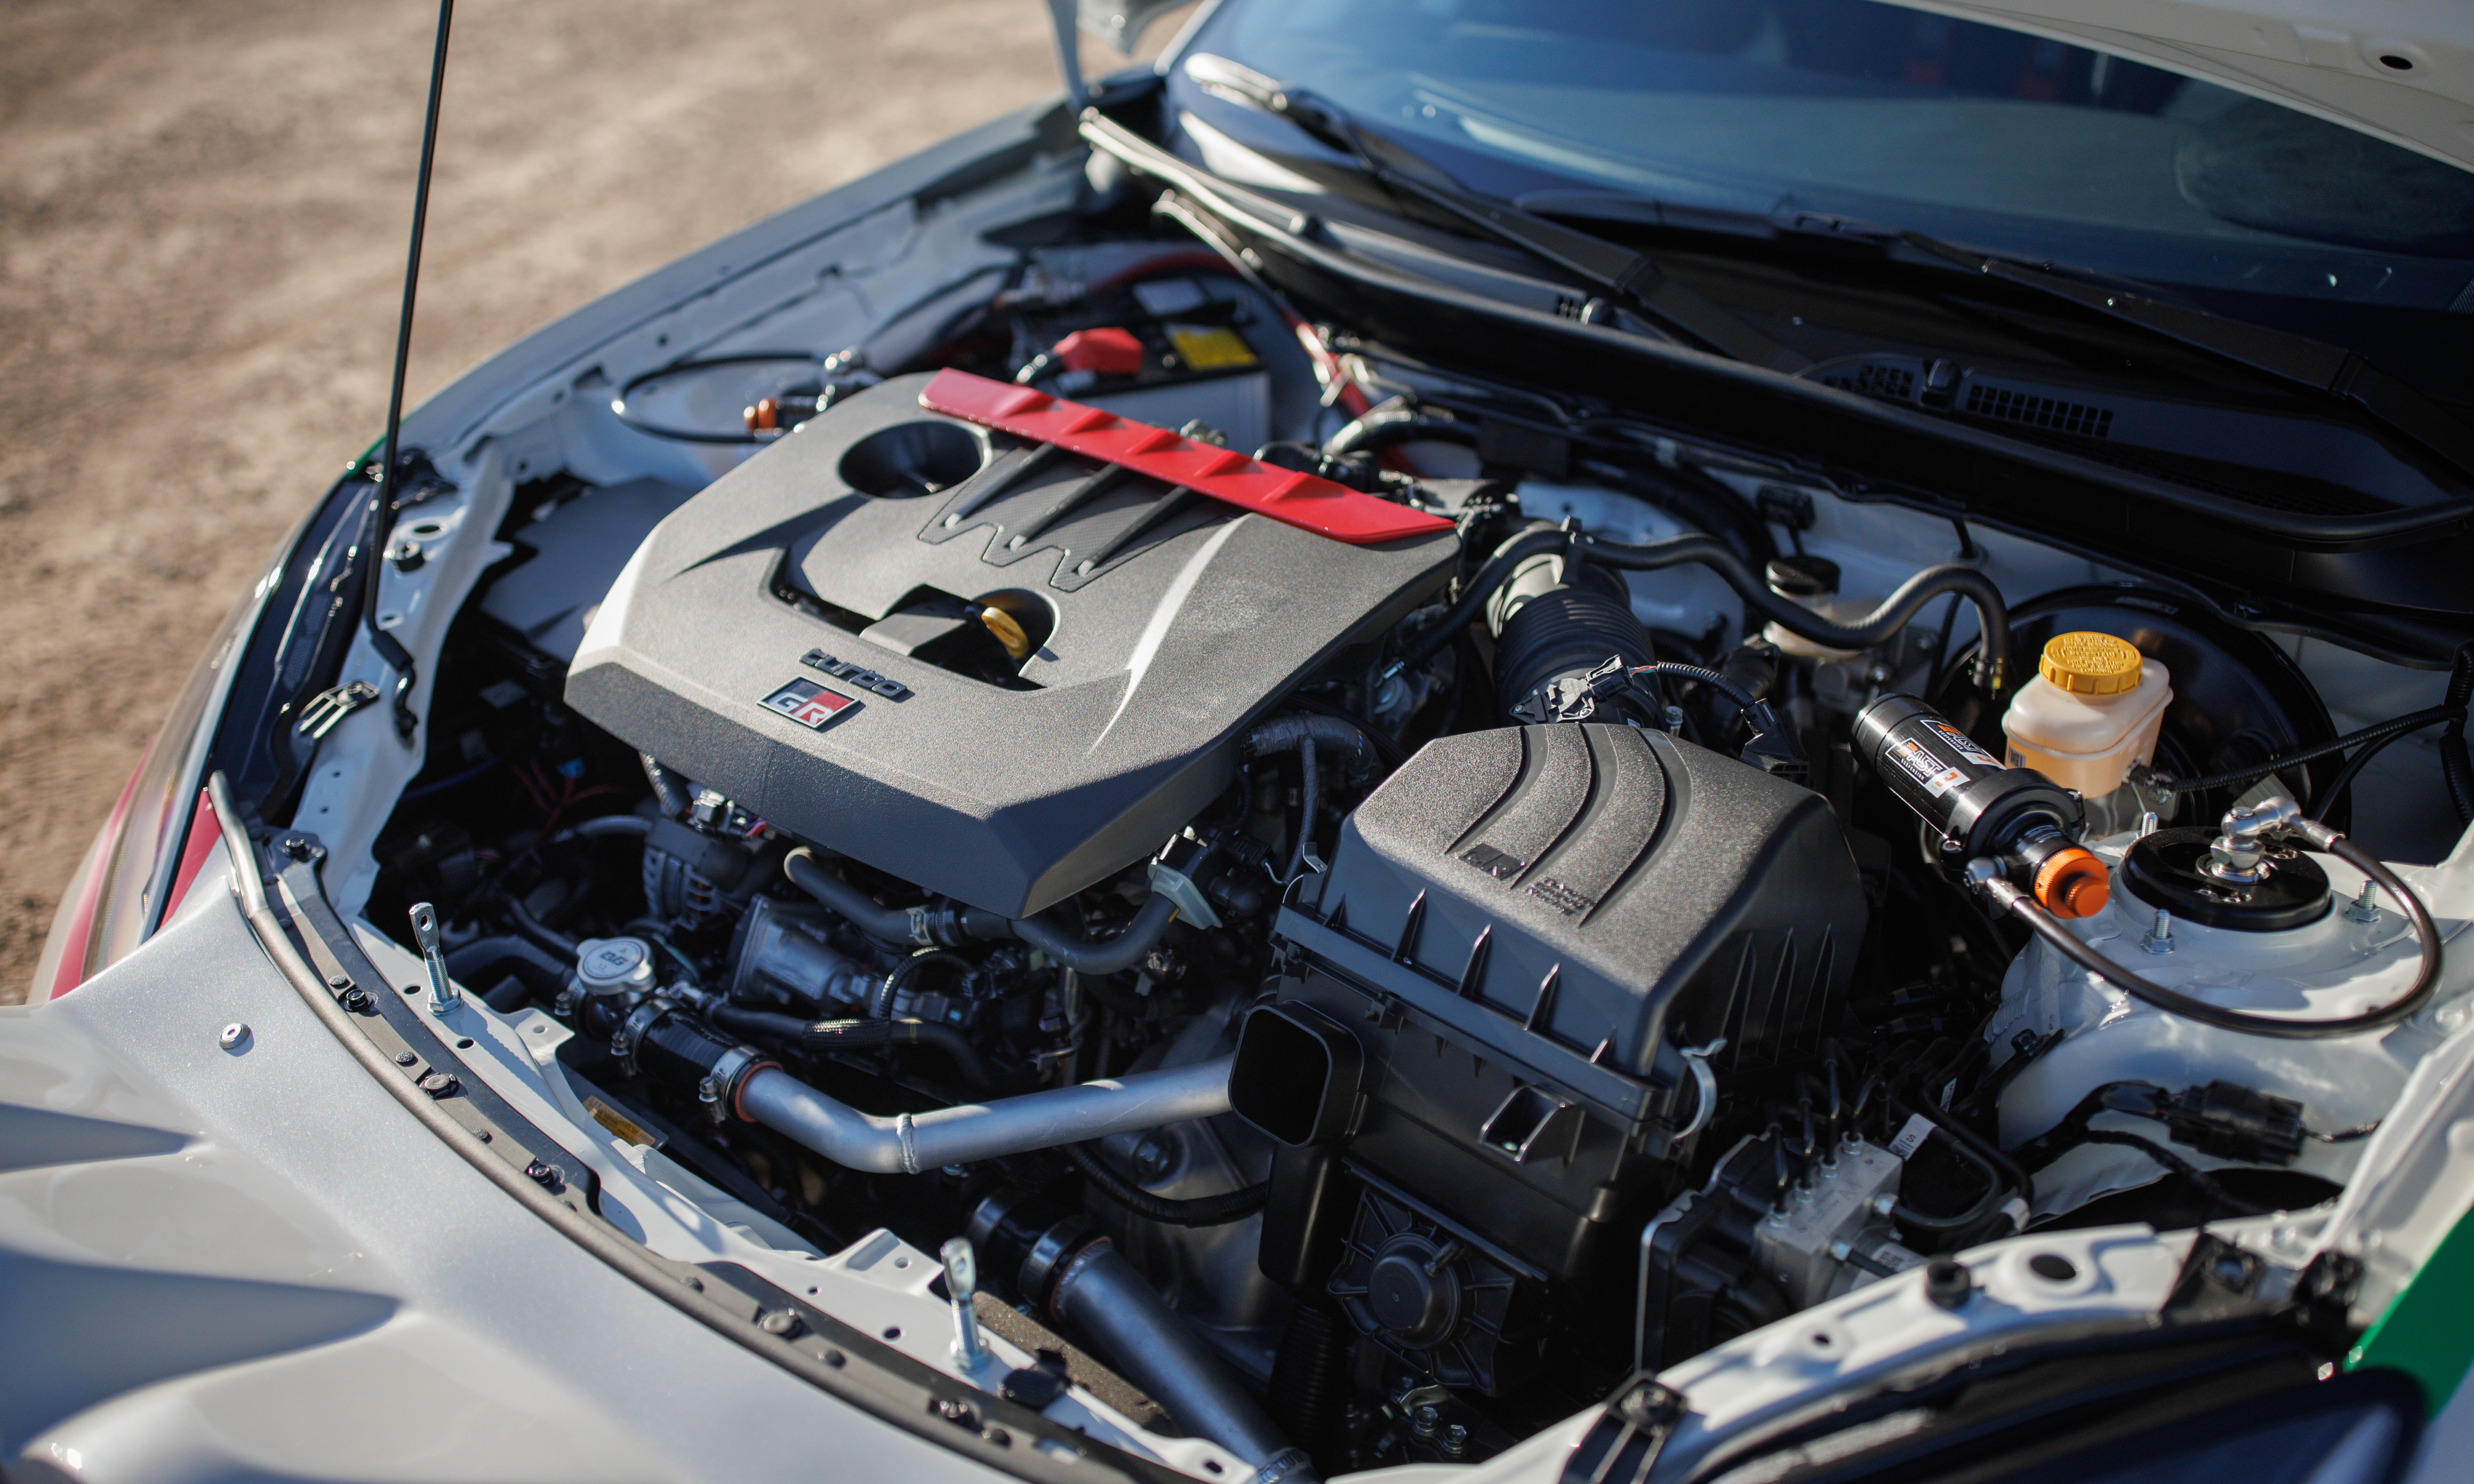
(835, 1358)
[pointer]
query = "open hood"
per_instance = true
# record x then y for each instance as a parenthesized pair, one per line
(2398, 69)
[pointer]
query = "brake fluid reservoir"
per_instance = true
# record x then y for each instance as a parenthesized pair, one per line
(2093, 709)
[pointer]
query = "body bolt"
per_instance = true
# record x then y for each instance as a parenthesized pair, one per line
(233, 1036)
(1948, 1283)
(2364, 908)
(1424, 1422)
(438, 1084)
(547, 1175)
(781, 1322)
(1455, 1442)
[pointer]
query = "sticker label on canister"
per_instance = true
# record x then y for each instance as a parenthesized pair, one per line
(1937, 777)
(1961, 743)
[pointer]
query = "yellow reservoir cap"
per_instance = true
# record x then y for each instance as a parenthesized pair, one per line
(2087, 663)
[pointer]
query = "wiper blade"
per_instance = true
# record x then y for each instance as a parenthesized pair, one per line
(1618, 271)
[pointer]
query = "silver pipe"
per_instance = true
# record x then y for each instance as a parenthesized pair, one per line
(1107, 1299)
(909, 1144)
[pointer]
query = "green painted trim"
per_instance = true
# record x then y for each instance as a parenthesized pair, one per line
(2428, 1331)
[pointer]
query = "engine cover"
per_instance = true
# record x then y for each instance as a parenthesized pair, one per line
(785, 639)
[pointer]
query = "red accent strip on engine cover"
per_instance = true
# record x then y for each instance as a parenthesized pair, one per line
(1306, 501)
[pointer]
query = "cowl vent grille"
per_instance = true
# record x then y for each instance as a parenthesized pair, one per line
(2005, 405)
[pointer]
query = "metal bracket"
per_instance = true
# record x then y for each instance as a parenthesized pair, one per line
(328, 707)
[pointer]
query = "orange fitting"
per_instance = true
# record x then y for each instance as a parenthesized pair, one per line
(765, 417)
(2073, 883)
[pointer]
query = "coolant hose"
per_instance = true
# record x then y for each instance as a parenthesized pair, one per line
(1394, 424)
(1507, 558)
(912, 1143)
(809, 875)
(1285, 733)
(823, 1036)
(607, 826)
(931, 925)
(1069, 950)
(1103, 1295)
(2062, 940)
(1874, 628)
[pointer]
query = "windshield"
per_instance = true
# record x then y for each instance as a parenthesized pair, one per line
(2006, 141)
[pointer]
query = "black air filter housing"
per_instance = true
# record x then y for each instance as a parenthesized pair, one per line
(1523, 927)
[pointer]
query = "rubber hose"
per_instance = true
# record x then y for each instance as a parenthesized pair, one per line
(1309, 801)
(881, 1004)
(1874, 628)
(2456, 762)
(1505, 560)
(1387, 427)
(540, 932)
(1387, 752)
(1202, 1210)
(1068, 951)
(809, 875)
(1309, 1386)
(821, 1036)
(1283, 733)
(2354, 765)
(2426, 938)
(607, 826)
(1996, 1188)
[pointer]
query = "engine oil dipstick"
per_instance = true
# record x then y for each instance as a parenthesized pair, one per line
(443, 995)
(961, 1284)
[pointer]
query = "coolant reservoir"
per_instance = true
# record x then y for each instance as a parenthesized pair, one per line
(2093, 709)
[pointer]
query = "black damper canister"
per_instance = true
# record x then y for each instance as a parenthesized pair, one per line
(2013, 816)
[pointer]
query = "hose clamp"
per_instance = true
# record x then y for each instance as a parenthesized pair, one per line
(730, 1073)
(907, 1137)
(1286, 1464)
(630, 1034)
(919, 933)
(1704, 1085)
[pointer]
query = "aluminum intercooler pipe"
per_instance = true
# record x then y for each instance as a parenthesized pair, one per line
(912, 1143)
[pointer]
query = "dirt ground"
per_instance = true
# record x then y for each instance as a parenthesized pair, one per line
(203, 206)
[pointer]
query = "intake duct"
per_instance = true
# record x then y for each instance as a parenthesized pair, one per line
(1556, 621)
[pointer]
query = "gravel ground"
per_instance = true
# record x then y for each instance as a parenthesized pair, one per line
(202, 215)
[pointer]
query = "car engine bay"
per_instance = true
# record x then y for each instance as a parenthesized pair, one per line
(1361, 903)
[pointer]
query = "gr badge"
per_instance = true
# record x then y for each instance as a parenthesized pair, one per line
(809, 704)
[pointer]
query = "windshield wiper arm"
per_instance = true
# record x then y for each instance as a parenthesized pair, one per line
(1616, 270)
(2297, 360)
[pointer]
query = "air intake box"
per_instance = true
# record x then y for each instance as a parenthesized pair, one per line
(1523, 929)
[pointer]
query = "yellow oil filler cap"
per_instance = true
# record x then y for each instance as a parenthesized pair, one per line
(2087, 663)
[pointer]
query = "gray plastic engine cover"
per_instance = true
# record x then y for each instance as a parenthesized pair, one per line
(1177, 619)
